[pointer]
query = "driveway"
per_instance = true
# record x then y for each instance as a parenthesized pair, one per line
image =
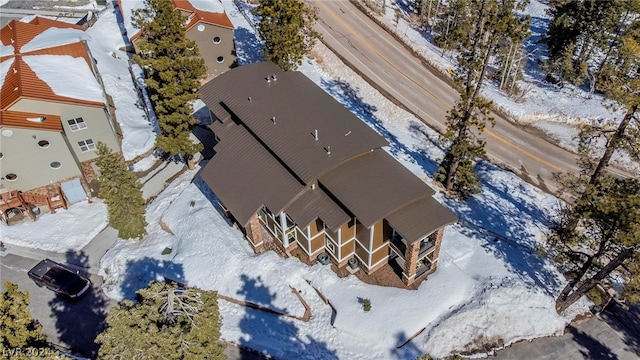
(67, 324)
(612, 335)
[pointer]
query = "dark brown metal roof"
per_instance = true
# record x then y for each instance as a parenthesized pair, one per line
(285, 114)
(373, 186)
(267, 155)
(313, 204)
(420, 218)
(245, 176)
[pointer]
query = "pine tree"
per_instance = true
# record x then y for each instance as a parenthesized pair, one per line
(622, 84)
(609, 237)
(165, 322)
(120, 189)
(173, 68)
(286, 27)
(18, 330)
(581, 31)
(493, 25)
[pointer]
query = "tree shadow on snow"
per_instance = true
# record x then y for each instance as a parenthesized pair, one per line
(248, 46)
(405, 349)
(140, 272)
(504, 225)
(344, 93)
(79, 321)
(275, 335)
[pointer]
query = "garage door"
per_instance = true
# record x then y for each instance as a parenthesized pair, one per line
(74, 191)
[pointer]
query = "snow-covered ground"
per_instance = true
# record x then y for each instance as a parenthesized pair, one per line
(490, 287)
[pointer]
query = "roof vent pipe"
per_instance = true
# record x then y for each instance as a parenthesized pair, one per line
(249, 98)
(328, 150)
(273, 77)
(273, 119)
(315, 134)
(268, 78)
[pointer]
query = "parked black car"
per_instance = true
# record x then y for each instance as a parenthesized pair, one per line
(59, 278)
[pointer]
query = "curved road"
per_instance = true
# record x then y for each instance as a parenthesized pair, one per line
(389, 66)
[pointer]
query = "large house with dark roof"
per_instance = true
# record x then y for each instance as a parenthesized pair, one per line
(53, 112)
(292, 160)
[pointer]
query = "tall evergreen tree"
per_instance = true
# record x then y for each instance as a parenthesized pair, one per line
(581, 31)
(173, 68)
(609, 238)
(491, 25)
(120, 189)
(621, 84)
(165, 322)
(286, 27)
(20, 334)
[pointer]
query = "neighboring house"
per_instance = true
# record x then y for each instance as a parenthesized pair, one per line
(292, 160)
(207, 25)
(53, 109)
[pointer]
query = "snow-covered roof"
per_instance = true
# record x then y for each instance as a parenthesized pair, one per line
(47, 59)
(55, 37)
(84, 84)
(212, 6)
(126, 9)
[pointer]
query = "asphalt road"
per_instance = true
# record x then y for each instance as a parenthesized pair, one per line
(389, 66)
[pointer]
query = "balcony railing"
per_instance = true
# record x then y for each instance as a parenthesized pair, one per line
(426, 246)
(424, 265)
(399, 243)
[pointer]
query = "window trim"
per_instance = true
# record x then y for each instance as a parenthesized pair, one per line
(78, 124)
(88, 143)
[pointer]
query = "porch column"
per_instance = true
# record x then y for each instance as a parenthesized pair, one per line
(410, 262)
(438, 243)
(283, 227)
(254, 233)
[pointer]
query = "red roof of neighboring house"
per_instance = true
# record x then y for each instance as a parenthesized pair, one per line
(27, 120)
(21, 81)
(19, 33)
(197, 16)
(214, 18)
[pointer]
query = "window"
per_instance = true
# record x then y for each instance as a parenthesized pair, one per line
(77, 124)
(216, 40)
(86, 145)
(43, 144)
(55, 165)
(220, 59)
(11, 177)
(330, 246)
